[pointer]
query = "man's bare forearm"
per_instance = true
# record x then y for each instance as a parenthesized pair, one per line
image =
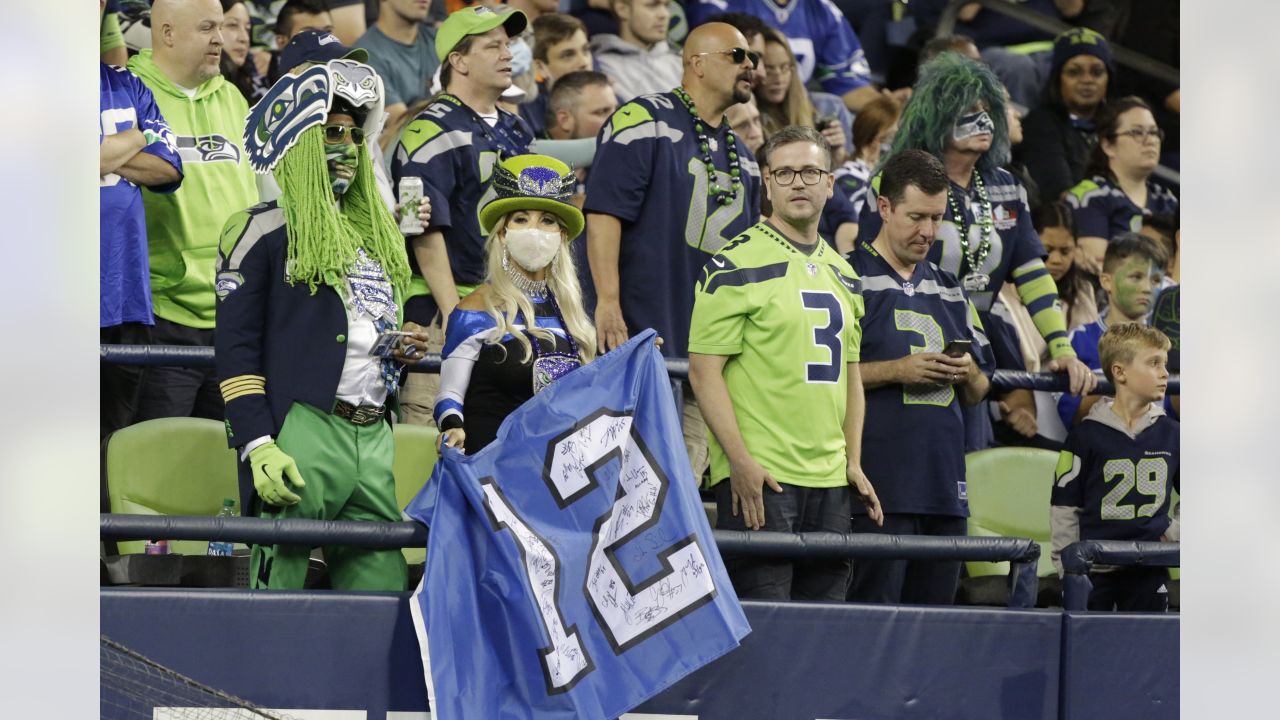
(115, 150)
(604, 238)
(706, 375)
(433, 260)
(877, 374)
(147, 169)
(855, 413)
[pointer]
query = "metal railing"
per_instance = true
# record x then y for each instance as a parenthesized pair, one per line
(677, 368)
(1021, 553)
(1079, 558)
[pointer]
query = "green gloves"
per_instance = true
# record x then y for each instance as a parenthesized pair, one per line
(270, 467)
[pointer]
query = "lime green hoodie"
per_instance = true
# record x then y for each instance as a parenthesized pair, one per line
(183, 227)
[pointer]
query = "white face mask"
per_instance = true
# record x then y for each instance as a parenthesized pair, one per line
(532, 248)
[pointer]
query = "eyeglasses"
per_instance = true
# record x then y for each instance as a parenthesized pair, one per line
(783, 69)
(1141, 134)
(336, 134)
(737, 55)
(809, 175)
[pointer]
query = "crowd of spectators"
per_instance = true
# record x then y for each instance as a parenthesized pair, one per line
(1058, 222)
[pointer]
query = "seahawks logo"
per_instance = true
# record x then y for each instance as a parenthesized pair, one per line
(207, 149)
(228, 281)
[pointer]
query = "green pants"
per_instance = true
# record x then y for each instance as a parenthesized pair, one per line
(347, 471)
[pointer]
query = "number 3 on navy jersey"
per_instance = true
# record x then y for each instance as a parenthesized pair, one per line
(627, 609)
(827, 336)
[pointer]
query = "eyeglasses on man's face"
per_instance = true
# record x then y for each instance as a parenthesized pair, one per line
(1141, 134)
(808, 176)
(336, 134)
(737, 55)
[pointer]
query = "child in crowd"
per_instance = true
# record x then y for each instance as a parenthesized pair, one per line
(1132, 271)
(1114, 473)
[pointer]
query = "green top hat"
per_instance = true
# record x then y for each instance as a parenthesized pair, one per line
(533, 182)
(475, 21)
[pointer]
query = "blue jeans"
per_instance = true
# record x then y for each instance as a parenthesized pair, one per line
(796, 509)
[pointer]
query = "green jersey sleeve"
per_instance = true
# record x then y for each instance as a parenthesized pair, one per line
(722, 303)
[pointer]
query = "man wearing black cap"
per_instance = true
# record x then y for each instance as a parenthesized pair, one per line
(452, 146)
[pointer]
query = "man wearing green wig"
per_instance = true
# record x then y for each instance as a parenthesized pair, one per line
(310, 289)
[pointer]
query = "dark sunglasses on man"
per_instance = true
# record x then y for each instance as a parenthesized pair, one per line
(737, 55)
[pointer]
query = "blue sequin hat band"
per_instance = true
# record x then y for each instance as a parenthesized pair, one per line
(533, 182)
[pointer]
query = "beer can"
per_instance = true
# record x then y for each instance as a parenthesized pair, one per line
(410, 199)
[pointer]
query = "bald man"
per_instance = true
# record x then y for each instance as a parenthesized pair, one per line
(206, 115)
(670, 186)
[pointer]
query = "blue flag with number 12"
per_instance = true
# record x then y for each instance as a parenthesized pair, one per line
(570, 569)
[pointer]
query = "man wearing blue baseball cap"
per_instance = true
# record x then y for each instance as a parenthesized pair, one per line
(317, 46)
(452, 146)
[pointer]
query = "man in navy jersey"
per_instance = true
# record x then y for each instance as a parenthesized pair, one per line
(1115, 470)
(923, 355)
(452, 146)
(670, 186)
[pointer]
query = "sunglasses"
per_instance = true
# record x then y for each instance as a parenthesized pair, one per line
(335, 134)
(737, 55)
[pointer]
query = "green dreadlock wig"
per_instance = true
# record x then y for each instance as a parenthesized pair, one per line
(323, 239)
(949, 86)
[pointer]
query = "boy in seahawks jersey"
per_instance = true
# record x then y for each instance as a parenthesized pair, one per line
(773, 358)
(1115, 470)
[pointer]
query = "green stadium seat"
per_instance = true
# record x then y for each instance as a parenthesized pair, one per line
(170, 466)
(416, 455)
(1009, 490)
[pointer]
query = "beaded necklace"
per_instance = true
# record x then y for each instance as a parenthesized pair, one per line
(976, 257)
(535, 289)
(722, 196)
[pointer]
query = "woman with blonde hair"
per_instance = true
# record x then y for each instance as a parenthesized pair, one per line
(495, 358)
(783, 100)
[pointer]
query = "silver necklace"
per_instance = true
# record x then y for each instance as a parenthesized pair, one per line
(535, 289)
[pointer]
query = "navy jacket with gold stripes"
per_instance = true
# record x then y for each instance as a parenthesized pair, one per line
(276, 343)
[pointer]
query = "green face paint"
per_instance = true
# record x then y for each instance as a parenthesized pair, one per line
(346, 155)
(1133, 286)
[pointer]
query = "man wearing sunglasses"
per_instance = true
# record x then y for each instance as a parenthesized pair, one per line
(310, 292)
(671, 184)
(773, 358)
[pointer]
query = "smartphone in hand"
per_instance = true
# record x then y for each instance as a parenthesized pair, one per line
(387, 343)
(957, 348)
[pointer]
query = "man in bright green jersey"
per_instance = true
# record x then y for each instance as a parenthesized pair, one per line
(773, 358)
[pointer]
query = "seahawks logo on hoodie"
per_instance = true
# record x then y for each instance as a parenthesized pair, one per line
(207, 149)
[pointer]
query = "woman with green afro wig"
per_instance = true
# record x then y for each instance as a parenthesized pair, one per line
(951, 86)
